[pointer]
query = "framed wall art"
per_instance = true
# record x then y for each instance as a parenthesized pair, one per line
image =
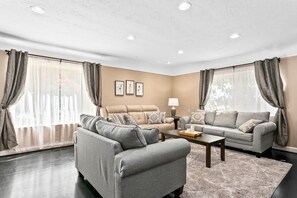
(139, 89)
(130, 87)
(119, 88)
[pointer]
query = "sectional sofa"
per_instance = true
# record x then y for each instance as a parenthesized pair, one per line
(227, 124)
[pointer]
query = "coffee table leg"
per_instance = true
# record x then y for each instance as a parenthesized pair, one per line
(208, 156)
(223, 150)
(162, 137)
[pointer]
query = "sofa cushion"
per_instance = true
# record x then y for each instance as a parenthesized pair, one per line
(249, 125)
(151, 135)
(225, 119)
(117, 118)
(116, 109)
(210, 117)
(129, 136)
(213, 130)
(155, 117)
(238, 135)
(139, 117)
(197, 127)
(89, 122)
(134, 108)
(197, 117)
(243, 117)
(129, 120)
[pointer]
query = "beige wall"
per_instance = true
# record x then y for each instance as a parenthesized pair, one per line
(3, 65)
(288, 68)
(186, 89)
(157, 88)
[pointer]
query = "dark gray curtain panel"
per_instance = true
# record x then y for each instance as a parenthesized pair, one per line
(271, 87)
(206, 78)
(92, 76)
(14, 87)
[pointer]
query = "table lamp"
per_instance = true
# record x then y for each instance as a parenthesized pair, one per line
(173, 102)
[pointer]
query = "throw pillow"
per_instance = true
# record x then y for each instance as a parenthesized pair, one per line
(128, 136)
(129, 120)
(89, 122)
(249, 125)
(154, 118)
(117, 118)
(151, 135)
(197, 117)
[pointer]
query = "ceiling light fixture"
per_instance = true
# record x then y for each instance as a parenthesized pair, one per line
(131, 37)
(234, 36)
(37, 9)
(184, 6)
(180, 52)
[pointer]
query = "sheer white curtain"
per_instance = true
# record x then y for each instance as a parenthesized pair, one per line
(55, 96)
(235, 88)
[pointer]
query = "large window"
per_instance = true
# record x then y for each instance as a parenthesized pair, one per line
(54, 97)
(235, 88)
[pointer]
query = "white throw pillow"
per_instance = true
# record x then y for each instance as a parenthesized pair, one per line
(249, 125)
(197, 117)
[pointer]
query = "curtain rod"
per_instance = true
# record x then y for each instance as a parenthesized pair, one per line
(50, 57)
(240, 65)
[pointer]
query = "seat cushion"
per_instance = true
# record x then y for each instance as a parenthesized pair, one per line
(225, 119)
(238, 135)
(89, 122)
(213, 130)
(243, 117)
(129, 136)
(139, 117)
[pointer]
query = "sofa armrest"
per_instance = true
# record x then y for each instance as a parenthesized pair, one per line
(183, 121)
(169, 120)
(264, 128)
(137, 160)
(263, 136)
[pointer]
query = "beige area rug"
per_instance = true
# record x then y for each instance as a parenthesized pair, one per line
(242, 175)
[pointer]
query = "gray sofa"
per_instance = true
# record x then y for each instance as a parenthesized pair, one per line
(226, 124)
(137, 165)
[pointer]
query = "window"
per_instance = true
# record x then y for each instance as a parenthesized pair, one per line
(235, 88)
(54, 97)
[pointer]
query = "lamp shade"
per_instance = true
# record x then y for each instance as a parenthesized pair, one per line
(173, 102)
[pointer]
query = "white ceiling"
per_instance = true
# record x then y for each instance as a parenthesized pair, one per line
(96, 30)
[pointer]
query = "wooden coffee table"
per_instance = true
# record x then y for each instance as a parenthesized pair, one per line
(204, 139)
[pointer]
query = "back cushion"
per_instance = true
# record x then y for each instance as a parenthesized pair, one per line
(139, 117)
(243, 117)
(210, 117)
(225, 119)
(116, 109)
(134, 108)
(149, 108)
(89, 122)
(151, 135)
(129, 136)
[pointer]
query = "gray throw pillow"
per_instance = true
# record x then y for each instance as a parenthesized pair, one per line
(129, 120)
(210, 117)
(225, 119)
(151, 135)
(129, 136)
(197, 117)
(89, 122)
(249, 125)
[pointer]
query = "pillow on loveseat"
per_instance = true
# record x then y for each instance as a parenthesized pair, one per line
(249, 125)
(129, 136)
(89, 122)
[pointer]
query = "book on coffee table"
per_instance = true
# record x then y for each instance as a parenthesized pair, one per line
(190, 133)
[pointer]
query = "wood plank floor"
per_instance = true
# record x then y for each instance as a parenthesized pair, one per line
(51, 174)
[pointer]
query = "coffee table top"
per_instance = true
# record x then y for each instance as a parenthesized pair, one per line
(204, 139)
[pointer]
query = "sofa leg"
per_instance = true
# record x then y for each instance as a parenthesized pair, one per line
(80, 175)
(258, 155)
(178, 191)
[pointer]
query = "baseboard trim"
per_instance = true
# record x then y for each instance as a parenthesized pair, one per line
(285, 148)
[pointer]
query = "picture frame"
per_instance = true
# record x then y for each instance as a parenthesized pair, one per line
(129, 87)
(139, 88)
(119, 88)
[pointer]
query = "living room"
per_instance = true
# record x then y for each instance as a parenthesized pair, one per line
(162, 51)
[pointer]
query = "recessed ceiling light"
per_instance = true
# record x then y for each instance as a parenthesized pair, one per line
(234, 36)
(131, 37)
(37, 9)
(180, 52)
(168, 62)
(184, 6)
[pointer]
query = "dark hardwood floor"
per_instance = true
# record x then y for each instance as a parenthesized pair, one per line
(51, 174)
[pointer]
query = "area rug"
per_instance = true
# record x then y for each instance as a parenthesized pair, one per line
(242, 175)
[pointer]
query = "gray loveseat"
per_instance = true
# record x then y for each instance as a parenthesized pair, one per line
(137, 165)
(226, 124)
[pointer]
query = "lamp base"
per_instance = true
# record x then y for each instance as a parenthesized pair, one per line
(173, 112)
